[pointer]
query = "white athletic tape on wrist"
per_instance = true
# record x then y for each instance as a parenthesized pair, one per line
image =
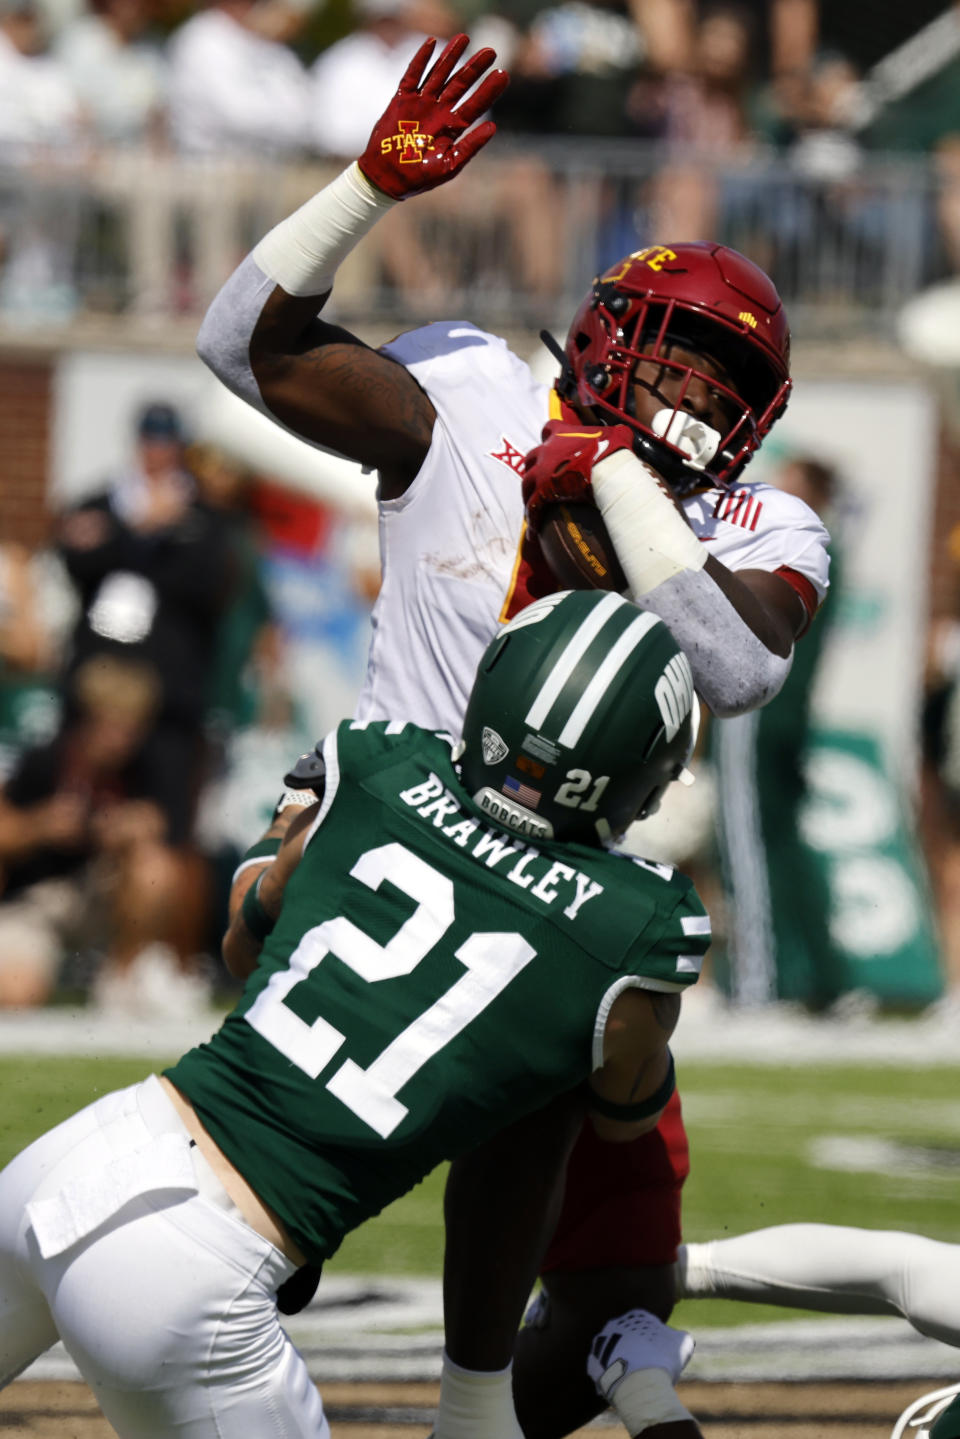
(652, 541)
(646, 1397)
(474, 1404)
(304, 251)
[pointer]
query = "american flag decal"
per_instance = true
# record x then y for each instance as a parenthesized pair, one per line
(738, 507)
(522, 793)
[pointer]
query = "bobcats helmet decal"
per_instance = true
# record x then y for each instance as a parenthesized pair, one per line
(703, 297)
(593, 703)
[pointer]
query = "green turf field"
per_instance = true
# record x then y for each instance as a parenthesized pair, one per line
(766, 1147)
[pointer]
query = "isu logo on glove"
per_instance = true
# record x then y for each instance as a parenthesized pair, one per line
(559, 468)
(423, 137)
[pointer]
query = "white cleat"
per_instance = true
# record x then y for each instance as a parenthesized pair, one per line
(635, 1341)
(918, 1419)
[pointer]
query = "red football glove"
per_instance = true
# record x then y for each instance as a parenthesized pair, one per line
(419, 141)
(560, 467)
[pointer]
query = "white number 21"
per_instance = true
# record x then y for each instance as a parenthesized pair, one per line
(491, 962)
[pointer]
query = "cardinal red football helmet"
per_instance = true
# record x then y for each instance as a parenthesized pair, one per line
(703, 297)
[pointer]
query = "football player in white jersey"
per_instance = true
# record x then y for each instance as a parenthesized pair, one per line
(675, 368)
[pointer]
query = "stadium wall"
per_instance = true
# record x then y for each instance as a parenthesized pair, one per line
(25, 434)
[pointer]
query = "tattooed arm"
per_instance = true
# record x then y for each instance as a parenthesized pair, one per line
(326, 385)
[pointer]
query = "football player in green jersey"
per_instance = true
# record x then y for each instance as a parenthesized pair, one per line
(446, 941)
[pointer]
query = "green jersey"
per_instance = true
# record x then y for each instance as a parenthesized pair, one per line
(430, 979)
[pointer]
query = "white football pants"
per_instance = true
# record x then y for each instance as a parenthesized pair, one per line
(832, 1268)
(116, 1237)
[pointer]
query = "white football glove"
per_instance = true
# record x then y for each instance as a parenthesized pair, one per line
(637, 1340)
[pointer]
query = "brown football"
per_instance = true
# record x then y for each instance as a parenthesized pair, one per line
(578, 548)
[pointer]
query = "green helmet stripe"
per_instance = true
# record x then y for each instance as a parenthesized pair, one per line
(616, 656)
(571, 657)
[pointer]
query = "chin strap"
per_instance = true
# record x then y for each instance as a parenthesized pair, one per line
(565, 384)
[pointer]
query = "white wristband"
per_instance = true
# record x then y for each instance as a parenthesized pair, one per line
(646, 1397)
(299, 797)
(650, 537)
(475, 1405)
(303, 252)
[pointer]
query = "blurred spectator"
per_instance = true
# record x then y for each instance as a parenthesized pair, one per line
(947, 166)
(706, 108)
(84, 857)
(152, 568)
(40, 126)
(38, 104)
(353, 81)
(574, 69)
(256, 722)
(236, 88)
(28, 707)
(824, 145)
(23, 643)
(826, 204)
(247, 679)
(940, 811)
(703, 116)
(119, 79)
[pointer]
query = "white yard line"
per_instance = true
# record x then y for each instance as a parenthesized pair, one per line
(354, 1330)
(708, 1031)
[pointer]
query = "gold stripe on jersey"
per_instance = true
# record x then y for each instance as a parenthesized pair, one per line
(556, 413)
(504, 614)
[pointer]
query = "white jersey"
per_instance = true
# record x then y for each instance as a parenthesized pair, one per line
(450, 545)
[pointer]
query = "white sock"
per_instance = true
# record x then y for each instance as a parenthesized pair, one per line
(475, 1405)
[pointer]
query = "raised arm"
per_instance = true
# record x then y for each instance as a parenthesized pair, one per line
(262, 336)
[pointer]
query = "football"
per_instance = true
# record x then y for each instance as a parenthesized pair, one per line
(578, 548)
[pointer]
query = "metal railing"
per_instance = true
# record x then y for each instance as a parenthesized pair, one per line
(515, 241)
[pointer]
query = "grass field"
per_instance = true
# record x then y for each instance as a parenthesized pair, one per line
(871, 1146)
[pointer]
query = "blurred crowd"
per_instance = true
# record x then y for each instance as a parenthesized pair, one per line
(188, 631)
(762, 120)
(160, 660)
(289, 78)
(149, 707)
(191, 627)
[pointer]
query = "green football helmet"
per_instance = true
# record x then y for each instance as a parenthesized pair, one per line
(582, 712)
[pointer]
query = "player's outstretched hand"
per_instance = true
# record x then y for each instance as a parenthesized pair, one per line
(423, 138)
(559, 468)
(637, 1340)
